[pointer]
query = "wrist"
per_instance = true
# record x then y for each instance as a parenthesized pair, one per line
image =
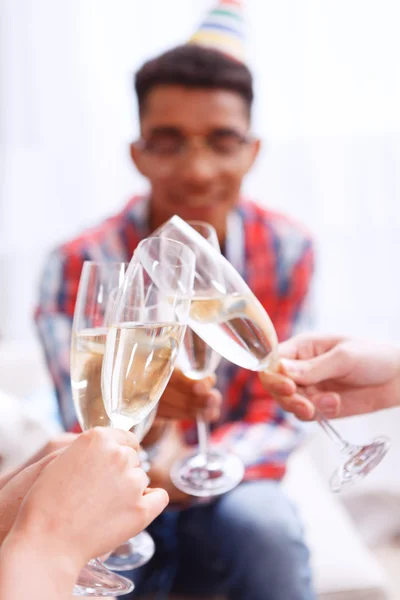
(35, 529)
(23, 552)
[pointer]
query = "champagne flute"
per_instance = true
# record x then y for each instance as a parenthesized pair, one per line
(97, 282)
(98, 288)
(231, 320)
(207, 472)
(137, 551)
(146, 329)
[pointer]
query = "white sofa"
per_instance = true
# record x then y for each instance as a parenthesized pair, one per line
(342, 565)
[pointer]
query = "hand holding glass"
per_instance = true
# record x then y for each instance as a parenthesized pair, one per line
(207, 472)
(97, 285)
(145, 332)
(234, 323)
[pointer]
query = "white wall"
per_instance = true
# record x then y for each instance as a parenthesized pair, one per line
(328, 98)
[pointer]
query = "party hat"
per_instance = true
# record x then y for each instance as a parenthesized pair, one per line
(223, 29)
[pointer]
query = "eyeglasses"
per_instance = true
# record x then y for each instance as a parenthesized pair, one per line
(171, 143)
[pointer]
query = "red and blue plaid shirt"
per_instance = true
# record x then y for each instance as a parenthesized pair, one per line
(275, 257)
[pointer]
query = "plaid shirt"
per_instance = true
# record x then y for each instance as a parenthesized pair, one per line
(275, 257)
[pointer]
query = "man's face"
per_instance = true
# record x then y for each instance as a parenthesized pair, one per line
(195, 151)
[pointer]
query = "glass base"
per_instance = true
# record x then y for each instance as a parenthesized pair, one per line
(359, 462)
(133, 554)
(96, 580)
(215, 475)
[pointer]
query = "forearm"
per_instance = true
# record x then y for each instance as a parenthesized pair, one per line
(47, 575)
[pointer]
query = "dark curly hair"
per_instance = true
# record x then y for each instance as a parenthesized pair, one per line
(194, 66)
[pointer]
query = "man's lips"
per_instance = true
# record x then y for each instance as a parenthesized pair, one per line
(196, 202)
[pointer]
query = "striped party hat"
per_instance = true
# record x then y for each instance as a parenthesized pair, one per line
(223, 30)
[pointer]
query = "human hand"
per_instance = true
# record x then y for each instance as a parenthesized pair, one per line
(14, 491)
(171, 448)
(90, 498)
(183, 398)
(59, 442)
(53, 445)
(339, 376)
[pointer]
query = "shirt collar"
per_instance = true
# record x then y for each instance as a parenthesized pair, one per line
(235, 238)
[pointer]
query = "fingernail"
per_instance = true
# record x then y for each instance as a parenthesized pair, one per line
(328, 405)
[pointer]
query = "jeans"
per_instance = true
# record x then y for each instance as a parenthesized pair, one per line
(247, 545)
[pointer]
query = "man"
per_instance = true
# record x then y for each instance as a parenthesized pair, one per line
(195, 148)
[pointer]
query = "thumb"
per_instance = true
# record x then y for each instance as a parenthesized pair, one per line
(330, 365)
(153, 502)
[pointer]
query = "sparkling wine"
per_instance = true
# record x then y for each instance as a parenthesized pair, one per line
(87, 353)
(196, 359)
(139, 360)
(237, 327)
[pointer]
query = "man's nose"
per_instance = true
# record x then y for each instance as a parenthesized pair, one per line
(199, 166)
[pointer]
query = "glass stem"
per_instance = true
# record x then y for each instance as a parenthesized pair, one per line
(330, 431)
(203, 436)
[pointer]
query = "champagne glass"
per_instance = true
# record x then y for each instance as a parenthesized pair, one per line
(137, 551)
(230, 319)
(98, 288)
(97, 284)
(146, 329)
(207, 472)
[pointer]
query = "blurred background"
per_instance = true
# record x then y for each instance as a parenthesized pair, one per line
(327, 109)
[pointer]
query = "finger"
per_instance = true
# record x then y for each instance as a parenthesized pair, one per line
(180, 382)
(327, 366)
(278, 384)
(187, 407)
(203, 386)
(154, 501)
(132, 457)
(171, 412)
(289, 348)
(140, 479)
(212, 410)
(297, 404)
(307, 346)
(211, 415)
(329, 403)
(125, 438)
(211, 400)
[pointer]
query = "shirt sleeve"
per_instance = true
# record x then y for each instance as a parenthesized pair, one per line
(53, 317)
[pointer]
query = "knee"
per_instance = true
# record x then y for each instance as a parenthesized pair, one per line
(263, 544)
(274, 538)
(265, 525)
